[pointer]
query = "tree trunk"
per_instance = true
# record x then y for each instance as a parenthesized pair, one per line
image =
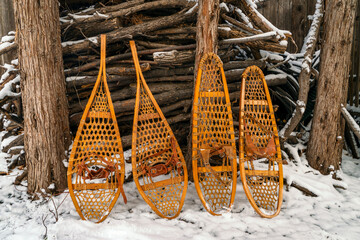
(326, 139)
(46, 124)
(206, 41)
(7, 24)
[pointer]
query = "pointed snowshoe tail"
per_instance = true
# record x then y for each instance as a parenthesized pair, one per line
(213, 142)
(158, 164)
(96, 166)
(260, 156)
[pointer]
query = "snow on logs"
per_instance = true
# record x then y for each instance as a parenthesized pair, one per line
(165, 33)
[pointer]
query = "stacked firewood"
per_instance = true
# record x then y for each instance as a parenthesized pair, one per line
(165, 34)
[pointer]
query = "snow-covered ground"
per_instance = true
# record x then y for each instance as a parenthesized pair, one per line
(335, 214)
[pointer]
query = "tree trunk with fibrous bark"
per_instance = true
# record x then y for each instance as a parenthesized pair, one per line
(326, 139)
(46, 124)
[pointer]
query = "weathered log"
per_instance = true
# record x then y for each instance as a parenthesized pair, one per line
(18, 141)
(128, 11)
(89, 30)
(244, 64)
(258, 37)
(261, 22)
(240, 24)
(106, 9)
(130, 92)
(9, 48)
(350, 121)
(174, 56)
(131, 31)
(226, 33)
(74, 71)
(350, 141)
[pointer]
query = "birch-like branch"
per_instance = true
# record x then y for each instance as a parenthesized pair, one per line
(304, 77)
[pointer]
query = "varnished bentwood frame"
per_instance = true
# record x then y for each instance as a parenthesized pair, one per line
(195, 160)
(140, 78)
(101, 77)
(242, 144)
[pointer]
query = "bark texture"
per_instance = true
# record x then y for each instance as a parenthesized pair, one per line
(326, 139)
(46, 124)
(206, 41)
(206, 28)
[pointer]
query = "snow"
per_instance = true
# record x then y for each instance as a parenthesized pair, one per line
(7, 38)
(334, 214)
(302, 105)
(281, 33)
(5, 45)
(100, 15)
(69, 43)
(310, 38)
(191, 10)
(75, 16)
(74, 78)
(271, 56)
(6, 90)
(270, 77)
(224, 6)
(225, 29)
(351, 122)
(244, 17)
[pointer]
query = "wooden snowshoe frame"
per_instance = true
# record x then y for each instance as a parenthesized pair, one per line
(159, 168)
(96, 166)
(259, 145)
(213, 141)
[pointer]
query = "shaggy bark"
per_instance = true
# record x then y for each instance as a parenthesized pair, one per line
(326, 138)
(46, 125)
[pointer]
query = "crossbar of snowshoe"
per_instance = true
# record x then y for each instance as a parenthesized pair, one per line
(216, 169)
(212, 94)
(148, 116)
(162, 183)
(256, 102)
(93, 114)
(92, 186)
(262, 173)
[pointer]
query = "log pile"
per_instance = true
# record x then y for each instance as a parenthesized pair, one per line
(165, 33)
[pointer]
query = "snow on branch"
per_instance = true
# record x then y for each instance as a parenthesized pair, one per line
(304, 77)
(8, 43)
(260, 21)
(262, 36)
(350, 121)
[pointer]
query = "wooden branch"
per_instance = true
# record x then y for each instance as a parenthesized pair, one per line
(270, 46)
(306, 191)
(133, 30)
(106, 9)
(350, 141)
(19, 178)
(74, 71)
(18, 141)
(350, 121)
(240, 24)
(260, 21)
(258, 37)
(174, 56)
(9, 48)
(17, 120)
(304, 77)
(128, 11)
